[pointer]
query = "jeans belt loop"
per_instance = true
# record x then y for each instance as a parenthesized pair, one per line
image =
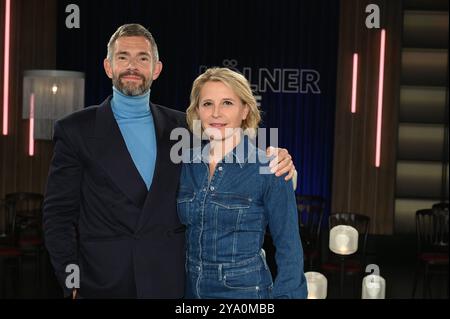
(219, 271)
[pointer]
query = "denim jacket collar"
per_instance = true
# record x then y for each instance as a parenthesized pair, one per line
(240, 154)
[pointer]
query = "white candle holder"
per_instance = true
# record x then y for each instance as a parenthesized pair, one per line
(373, 287)
(343, 240)
(317, 285)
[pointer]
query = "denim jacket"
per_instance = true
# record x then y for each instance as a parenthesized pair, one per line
(226, 217)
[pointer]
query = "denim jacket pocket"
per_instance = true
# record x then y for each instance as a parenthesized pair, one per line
(229, 209)
(230, 200)
(184, 199)
(237, 212)
(258, 278)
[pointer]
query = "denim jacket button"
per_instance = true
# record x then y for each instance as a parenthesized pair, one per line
(212, 188)
(220, 168)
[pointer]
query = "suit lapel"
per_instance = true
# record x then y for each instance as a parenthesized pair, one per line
(166, 173)
(113, 156)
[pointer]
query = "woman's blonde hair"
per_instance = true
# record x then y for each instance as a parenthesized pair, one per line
(240, 86)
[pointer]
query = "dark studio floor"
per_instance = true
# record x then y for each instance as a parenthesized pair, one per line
(395, 256)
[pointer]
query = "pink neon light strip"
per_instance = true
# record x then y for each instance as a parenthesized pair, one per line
(380, 98)
(354, 81)
(31, 133)
(6, 67)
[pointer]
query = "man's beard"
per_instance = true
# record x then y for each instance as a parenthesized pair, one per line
(130, 88)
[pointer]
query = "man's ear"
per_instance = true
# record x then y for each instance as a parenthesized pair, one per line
(108, 67)
(157, 70)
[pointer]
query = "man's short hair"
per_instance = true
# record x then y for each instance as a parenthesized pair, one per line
(132, 30)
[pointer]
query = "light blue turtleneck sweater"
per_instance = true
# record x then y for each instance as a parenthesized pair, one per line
(135, 120)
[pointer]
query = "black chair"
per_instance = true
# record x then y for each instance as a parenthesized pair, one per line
(27, 208)
(354, 265)
(432, 245)
(10, 254)
(310, 213)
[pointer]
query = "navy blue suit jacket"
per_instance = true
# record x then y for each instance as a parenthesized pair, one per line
(98, 214)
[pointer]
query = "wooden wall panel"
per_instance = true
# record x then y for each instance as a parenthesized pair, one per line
(357, 185)
(33, 46)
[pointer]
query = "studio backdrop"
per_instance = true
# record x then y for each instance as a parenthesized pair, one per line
(287, 49)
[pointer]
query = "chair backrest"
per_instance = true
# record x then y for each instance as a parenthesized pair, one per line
(26, 204)
(310, 213)
(432, 229)
(27, 208)
(358, 221)
(8, 229)
(440, 206)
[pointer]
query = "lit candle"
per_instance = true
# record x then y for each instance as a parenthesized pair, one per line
(342, 243)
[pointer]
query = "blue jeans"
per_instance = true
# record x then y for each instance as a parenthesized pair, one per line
(248, 279)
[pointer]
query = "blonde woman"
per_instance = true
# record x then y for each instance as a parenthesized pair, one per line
(226, 202)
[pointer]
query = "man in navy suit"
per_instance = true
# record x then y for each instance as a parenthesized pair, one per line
(110, 204)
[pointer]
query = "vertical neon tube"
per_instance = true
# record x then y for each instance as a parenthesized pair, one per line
(31, 133)
(380, 98)
(6, 67)
(354, 81)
